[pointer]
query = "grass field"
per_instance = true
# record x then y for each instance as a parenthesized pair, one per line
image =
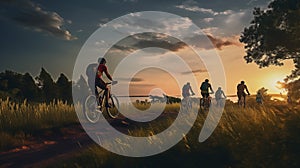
(256, 136)
(20, 121)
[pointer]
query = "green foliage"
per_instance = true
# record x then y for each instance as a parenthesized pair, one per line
(19, 87)
(274, 35)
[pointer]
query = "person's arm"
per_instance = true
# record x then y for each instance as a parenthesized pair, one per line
(211, 88)
(192, 90)
(247, 90)
(223, 94)
(107, 74)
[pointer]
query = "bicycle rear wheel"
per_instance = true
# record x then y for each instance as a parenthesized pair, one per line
(90, 112)
(113, 111)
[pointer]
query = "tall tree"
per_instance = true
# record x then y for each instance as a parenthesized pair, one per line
(64, 87)
(274, 35)
(47, 85)
(29, 88)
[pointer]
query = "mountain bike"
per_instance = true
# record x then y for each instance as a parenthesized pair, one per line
(205, 102)
(97, 104)
(187, 102)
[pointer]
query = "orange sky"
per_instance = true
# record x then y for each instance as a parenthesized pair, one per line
(235, 69)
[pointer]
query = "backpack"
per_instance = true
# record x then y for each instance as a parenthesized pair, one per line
(204, 86)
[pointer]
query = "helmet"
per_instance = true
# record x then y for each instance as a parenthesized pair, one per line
(206, 80)
(101, 60)
(242, 82)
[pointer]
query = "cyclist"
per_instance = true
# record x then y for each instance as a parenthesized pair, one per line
(218, 95)
(205, 86)
(259, 98)
(186, 89)
(99, 81)
(241, 87)
(91, 71)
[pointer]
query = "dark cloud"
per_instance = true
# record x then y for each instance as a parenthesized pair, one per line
(202, 41)
(219, 42)
(144, 40)
(130, 79)
(194, 71)
(30, 14)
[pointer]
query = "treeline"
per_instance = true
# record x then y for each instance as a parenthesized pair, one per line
(42, 88)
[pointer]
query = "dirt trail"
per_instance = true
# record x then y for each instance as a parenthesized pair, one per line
(46, 150)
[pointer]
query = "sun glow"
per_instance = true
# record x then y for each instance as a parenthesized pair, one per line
(275, 83)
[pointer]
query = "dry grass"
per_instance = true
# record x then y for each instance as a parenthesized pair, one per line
(20, 120)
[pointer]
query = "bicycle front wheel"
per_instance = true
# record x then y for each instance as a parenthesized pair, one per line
(112, 110)
(90, 111)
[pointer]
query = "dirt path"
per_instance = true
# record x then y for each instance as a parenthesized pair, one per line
(47, 150)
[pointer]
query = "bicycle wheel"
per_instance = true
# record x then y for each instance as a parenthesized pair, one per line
(113, 111)
(201, 104)
(90, 112)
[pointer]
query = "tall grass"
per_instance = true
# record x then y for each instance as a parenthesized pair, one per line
(256, 136)
(20, 120)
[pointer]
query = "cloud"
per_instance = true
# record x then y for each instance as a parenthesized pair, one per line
(30, 14)
(194, 71)
(207, 20)
(217, 42)
(222, 42)
(145, 40)
(194, 8)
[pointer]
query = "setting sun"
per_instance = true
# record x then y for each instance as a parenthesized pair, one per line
(274, 83)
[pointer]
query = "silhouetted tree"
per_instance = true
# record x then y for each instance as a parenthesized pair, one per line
(46, 83)
(11, 85)
(80, 90)
(64, 87)
(29, 88)
(294, 90)
(274, 35)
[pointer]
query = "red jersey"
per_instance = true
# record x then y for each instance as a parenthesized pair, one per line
(102, 68)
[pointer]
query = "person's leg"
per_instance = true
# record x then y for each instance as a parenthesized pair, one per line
(239, 98)
(97, 84)
(244, 98)
(106, 92)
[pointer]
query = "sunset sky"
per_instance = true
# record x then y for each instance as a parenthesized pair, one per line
(50, 34)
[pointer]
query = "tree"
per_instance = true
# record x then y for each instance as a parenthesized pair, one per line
(294, 90)
(274, 35)
(80, 90)
(64, 87)
(47, 85)
(29, 88)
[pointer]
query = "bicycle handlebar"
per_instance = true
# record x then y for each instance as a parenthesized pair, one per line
(112, 83)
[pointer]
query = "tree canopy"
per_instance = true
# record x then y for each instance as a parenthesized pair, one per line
(274, 35)
(19, 87)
